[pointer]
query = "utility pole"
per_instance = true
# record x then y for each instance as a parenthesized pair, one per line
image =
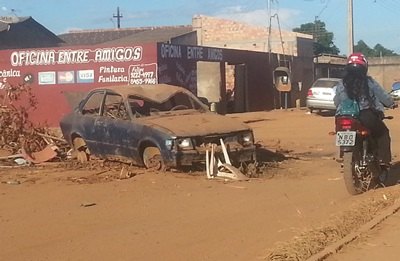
(316, 29)
(118, 16)
(350, 28)
(269, 28)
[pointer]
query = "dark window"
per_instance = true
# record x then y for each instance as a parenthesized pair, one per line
(325, 83)
(93, 104)
(114, 107)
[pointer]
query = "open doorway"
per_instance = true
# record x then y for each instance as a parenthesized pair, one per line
(236, 88)
(224, 85)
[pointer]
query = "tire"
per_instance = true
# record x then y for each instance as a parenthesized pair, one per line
(82, 152)
(152, 159)
(353, 185)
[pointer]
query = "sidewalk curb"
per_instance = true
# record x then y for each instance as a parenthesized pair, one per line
(334, 248)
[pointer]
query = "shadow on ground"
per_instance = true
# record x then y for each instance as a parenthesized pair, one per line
(394, 175)
(265, 155)
(326, 113)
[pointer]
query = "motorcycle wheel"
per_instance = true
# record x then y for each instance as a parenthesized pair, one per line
(351, 181)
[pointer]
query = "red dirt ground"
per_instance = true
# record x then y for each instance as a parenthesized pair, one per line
(69, 212)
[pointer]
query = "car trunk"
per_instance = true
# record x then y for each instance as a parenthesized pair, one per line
(322, 93)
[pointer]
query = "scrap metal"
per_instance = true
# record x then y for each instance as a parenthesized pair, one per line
(18, 135)
(215, 167)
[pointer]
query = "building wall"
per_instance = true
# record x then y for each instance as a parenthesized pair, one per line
(218, 32)
(290, 49)
(302, 79)
(259, 92)
(212, 73)
(386, 70)
(209, 81)
(186, 39)
(56, 74)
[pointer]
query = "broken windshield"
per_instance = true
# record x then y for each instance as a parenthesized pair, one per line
(142, 107)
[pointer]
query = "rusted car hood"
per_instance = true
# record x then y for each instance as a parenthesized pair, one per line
(197, 124)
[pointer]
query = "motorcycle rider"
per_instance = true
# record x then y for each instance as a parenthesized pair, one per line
(371, 99)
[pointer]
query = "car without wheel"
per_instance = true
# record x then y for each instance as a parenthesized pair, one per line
(158, 126)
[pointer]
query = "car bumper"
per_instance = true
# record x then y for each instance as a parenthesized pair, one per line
(320, 104)
(192, 157)
(396, 96)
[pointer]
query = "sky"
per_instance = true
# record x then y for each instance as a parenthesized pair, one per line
(375, 21)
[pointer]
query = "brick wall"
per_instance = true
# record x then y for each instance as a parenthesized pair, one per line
(218, 32)
(385, 70)
(297, 48)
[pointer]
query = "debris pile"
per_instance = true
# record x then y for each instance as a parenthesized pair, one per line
(19, 137)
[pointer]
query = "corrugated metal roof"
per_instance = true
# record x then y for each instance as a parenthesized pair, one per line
(91, 37)
(13, 19)
(126, 35)
(7, 21)
(25, 32)
(3, 26)
(158, 34)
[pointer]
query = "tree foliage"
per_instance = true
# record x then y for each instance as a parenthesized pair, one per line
(323, 40)
(377, 51)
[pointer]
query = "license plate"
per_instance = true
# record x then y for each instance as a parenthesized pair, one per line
(345, 138)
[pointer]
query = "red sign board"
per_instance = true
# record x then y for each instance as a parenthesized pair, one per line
(54, 72)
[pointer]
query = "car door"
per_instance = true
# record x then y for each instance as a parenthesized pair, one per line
(91, 114)
(117, 129)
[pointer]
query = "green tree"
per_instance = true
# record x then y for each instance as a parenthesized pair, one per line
(377, 51)
(323, 40)
(382, 51)
(362, 47)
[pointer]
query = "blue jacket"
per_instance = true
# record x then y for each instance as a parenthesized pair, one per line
(380, 97)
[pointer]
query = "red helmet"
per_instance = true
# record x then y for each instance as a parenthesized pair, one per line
(357, 62)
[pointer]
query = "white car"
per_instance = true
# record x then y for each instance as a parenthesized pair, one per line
(395, 93)
(320, 95)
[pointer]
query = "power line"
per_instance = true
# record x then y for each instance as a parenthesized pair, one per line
(322, 10)
(392, 7)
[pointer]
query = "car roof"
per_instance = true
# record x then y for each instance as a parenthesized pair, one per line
(156, 92)
(325, 82)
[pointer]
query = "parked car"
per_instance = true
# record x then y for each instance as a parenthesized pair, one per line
(157, 126)
(395, 92)
(320, 95)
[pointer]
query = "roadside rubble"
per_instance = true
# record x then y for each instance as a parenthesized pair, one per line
(21, 142)
(223, 169)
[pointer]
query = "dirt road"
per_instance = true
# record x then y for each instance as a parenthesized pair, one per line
(381, 243)
(92, 213)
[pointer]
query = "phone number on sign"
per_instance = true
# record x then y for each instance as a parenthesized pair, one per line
(143, 81)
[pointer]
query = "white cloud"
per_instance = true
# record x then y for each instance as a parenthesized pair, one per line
(288, 18)
(255, 17)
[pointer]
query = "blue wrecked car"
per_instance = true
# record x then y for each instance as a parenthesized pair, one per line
(156, 126)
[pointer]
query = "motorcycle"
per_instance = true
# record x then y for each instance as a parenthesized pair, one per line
(358, 151)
